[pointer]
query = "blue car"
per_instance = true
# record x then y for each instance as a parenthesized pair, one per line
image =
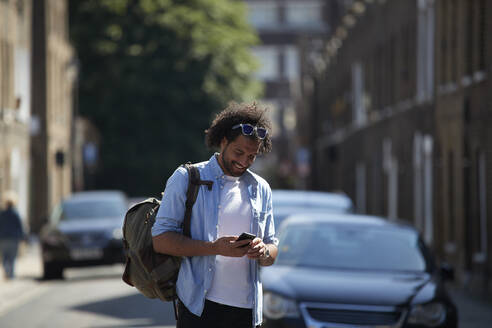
(345, 270)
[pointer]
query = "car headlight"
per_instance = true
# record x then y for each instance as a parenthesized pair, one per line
(431, 314)
(276, 307)
(117, 233)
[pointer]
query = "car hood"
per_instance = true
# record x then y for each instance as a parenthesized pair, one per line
(347, 287)
(99, 224)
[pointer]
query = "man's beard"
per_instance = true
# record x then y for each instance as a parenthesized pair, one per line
(229, 166)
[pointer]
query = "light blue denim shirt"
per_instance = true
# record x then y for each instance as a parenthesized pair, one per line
(196, 273)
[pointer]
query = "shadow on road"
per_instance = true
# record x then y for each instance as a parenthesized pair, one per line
(81, 274)
(137, 309)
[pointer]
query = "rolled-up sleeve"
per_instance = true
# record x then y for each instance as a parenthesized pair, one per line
(171, 212)
(269, 237)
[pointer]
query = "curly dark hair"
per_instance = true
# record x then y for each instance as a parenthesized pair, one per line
(235, 113)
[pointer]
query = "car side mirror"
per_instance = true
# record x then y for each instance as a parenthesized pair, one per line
(446, 271)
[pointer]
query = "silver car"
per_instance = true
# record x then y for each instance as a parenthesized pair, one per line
(344, 270)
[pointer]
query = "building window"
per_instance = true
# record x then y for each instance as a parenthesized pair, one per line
(304, 13)
(390, 167)
(7, 75)
(2, 74)
(427, 148)
(418, 181)
(468, 37)
(453, 46)
(360, 180)
(263, 15)
(379, 76)
(392, 88)
(425, 52)
(268, 57)
(358, 106)
(481, 35)
(481, 254)
(422, 185)
(444, 42)
(291, 68)
(430, 30)
(369, 87)
(406, 58)
(451, 200)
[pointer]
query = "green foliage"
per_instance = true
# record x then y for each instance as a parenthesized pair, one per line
(152, 74)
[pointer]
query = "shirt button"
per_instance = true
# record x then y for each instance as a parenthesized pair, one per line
(221, 187)
(209, 269)
(219, 206)
(205, 291)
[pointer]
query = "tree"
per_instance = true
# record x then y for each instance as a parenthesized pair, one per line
(152, 74)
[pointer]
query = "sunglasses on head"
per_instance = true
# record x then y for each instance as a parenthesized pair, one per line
(248, 130)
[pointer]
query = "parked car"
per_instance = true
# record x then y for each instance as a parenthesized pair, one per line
(84, 230)
(288, 202)
(346, 270)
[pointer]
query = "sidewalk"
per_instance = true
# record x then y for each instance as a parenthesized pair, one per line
(28, 264)
(473, 312)
(28, 271)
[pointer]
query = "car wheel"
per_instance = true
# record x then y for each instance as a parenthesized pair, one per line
(52, 271)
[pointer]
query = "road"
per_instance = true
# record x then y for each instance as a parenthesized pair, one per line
(98, 298)
(95, 297)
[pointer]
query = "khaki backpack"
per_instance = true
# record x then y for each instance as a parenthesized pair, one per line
(152, 273)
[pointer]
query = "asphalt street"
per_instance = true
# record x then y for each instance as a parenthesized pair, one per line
(103, 298)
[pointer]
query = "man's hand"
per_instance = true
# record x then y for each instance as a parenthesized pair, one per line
(228, 246)
(257, 249)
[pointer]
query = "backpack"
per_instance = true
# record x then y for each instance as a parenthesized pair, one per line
(152, 273)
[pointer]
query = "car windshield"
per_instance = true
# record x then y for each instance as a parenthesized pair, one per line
(339, 246)
(93, 209)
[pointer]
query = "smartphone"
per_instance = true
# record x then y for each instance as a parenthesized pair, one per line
(246, 235)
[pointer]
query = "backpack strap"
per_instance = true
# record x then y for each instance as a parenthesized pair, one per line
(194, 183)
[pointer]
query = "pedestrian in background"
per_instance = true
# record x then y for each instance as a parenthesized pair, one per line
(218, 283)
(11, 233)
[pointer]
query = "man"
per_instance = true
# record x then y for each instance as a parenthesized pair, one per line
(11, 233)
(218, 283)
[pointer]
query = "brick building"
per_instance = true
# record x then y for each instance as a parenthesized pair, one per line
(399, 113)
(54, 73)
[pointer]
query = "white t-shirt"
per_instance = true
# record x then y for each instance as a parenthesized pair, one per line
(231, 283)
